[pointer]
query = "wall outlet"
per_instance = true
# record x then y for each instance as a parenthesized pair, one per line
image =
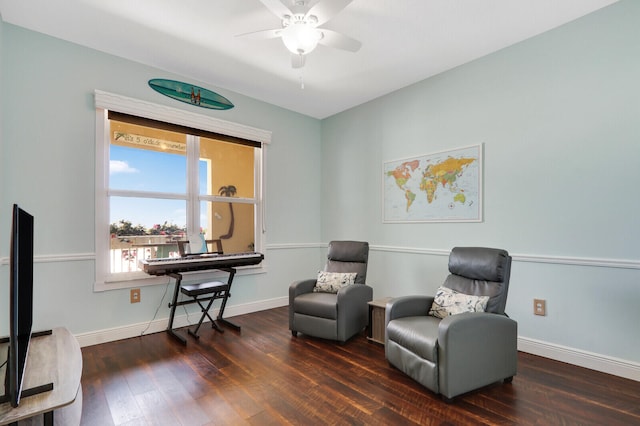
(135, 295)
(540, 307)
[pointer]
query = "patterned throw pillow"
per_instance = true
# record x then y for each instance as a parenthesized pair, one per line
(331, 282)
(450, 302)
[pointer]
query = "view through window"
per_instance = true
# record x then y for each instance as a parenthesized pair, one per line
(170, 186)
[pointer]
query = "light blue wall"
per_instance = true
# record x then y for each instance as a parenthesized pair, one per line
(3, 164)
(48, 162)
(559, 117)
(4, 288)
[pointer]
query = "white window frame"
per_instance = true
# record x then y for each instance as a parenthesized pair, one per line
(105, 101)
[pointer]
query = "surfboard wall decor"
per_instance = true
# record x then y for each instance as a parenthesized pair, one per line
(190, 94)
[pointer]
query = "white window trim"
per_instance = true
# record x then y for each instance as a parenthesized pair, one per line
(105, 101)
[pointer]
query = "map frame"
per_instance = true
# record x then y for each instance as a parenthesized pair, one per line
(471, 212)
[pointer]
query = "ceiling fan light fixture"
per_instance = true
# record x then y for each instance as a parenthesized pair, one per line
(301, 38)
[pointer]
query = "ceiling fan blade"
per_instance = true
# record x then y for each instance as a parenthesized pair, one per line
(297, 61)
(262, 35)
(327, 9)
(276, 7)
(339, 41)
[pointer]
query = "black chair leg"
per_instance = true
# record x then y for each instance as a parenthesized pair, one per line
(447, 400)
(205, 313)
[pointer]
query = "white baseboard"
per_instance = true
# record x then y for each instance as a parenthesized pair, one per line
(593, 361)
(155, 326)
(605, 364)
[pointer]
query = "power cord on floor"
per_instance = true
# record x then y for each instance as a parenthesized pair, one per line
(187, 314)
(157, 310)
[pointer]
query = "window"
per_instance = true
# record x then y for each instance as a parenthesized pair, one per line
(161, 180)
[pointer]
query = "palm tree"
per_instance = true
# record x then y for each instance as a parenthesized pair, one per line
(228, 191)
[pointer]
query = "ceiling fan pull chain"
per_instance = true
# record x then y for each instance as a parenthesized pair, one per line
(301, 80)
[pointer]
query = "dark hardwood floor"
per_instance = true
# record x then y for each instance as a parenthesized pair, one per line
(265, 376)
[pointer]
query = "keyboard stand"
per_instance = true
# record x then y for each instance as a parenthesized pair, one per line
(172, 305)
(214, 290)
(219, 318)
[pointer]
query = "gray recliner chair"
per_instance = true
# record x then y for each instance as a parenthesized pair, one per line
(335, 316)
(460, 352)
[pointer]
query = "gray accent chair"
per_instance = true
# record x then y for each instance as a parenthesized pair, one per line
(333, 316)
(462, 352)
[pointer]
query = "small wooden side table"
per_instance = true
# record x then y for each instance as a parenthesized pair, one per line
(377, 311)
(54, 358)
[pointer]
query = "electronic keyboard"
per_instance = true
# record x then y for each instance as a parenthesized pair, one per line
(199, 262)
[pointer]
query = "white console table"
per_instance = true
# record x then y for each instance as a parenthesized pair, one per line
(56, 359)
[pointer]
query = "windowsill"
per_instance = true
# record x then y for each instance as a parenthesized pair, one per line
(149, 280)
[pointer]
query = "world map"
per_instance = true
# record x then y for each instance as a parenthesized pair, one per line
(435, 187)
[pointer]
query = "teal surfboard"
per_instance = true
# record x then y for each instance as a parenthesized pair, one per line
(190, 94)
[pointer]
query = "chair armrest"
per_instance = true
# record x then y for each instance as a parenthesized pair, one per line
(407, 306)
(476, 349)
(301, 287)
(355, 291)
(456, 329)
(353, 309)
(297, 288)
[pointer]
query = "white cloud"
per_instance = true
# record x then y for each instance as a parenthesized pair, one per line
(117, 166)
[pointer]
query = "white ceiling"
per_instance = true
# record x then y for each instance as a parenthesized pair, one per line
(403, 41)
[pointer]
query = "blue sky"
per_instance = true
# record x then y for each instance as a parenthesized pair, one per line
(145, 170)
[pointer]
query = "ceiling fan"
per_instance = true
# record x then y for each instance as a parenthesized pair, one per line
(300, 22)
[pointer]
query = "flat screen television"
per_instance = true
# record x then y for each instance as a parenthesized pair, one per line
(20, 302)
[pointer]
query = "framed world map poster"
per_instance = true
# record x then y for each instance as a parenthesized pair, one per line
(440, 187)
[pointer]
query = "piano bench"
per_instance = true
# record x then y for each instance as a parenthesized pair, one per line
(194, 290)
